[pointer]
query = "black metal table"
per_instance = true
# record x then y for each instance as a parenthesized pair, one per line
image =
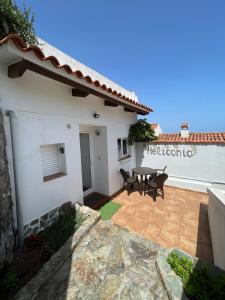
(144, 172)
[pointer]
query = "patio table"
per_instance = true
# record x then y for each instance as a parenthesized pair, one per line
(144, 172)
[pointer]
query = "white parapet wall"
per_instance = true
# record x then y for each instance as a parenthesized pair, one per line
(216, 212)
(191, 166)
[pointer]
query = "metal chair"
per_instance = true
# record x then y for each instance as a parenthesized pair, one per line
(127, 179)
(162, 171)
(156, 184)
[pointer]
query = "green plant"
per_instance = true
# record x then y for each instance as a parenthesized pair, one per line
(141, 131)
(199, 282)
(10, 281)
(57, 234)
(15, 20)
(181, 265)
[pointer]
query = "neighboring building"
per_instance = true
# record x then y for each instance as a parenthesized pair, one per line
(69, 127)
(194, 160)
(156, 127)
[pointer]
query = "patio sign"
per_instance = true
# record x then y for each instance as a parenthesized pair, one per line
(166, 150)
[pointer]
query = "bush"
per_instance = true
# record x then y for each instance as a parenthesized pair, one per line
(10, 281)
(15, 20)
(199, 281)
(57, 234)
(141, 131)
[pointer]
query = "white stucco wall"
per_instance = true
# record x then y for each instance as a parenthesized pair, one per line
(193, 166)
(216, 212)
(43, 110)
(158, 130)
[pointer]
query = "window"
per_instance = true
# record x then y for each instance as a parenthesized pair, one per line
(123, 148)
(53, 161)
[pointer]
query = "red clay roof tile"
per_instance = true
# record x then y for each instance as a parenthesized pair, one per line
(22, 46)
(194, 138)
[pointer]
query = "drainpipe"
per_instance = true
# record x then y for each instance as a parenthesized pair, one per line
(19, 213)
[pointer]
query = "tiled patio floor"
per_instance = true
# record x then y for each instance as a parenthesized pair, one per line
(180, 220)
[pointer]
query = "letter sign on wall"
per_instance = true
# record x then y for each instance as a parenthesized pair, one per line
(165, 150)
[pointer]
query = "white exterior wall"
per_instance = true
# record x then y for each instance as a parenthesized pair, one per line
(216, 212)
(204, 168)
(43, 109)
(158, 130)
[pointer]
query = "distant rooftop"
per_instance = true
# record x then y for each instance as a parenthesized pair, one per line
(193, 138)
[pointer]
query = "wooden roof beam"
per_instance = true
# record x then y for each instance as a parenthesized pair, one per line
(79, 93)
(17, 70)
(108, 103)
(129, 109)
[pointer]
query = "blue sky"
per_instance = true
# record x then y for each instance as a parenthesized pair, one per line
(170, 52)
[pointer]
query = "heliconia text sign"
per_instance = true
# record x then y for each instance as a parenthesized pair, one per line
(174, 151)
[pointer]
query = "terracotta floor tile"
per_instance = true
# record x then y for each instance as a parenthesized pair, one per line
(156, 219)
(161, 212)
(150, 232)
(135, 227)
(169, 237)
(187, 245)
(190, 233)
(174, 218)
(179, 220)
(190, 222)
(174, 228)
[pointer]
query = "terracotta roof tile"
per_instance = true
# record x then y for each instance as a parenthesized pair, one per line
(194, 138)
(22, 46)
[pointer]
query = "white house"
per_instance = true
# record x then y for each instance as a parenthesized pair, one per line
(68, 126)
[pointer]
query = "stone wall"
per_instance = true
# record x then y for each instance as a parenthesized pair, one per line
(6, 214)
(48, 218)
(42, 222)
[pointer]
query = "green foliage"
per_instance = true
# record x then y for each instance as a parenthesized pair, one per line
(57, 234)
(9, 281)
(199, 282)
(15, 20)
(181, 265)
(141, 131)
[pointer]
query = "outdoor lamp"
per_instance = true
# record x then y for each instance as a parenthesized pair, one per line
(97, 132)
(96, 115)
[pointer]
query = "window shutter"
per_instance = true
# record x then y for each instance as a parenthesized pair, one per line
(50, 160)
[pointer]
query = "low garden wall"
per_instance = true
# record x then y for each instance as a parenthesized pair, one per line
(191, 166)
(216, 211)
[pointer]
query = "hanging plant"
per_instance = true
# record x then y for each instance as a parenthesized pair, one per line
(141, 131)
(15, 20)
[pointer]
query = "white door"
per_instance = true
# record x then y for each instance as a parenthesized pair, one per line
(85, 151)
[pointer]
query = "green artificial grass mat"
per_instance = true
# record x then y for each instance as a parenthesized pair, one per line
(108, 210)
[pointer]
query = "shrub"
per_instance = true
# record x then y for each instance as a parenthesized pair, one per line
(199, 281)
(57, 234)
(141, 131)
(10, 281)
(15, 20)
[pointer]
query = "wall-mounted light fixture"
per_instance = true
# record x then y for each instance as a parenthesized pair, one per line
(98, 132)
(96, 115)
